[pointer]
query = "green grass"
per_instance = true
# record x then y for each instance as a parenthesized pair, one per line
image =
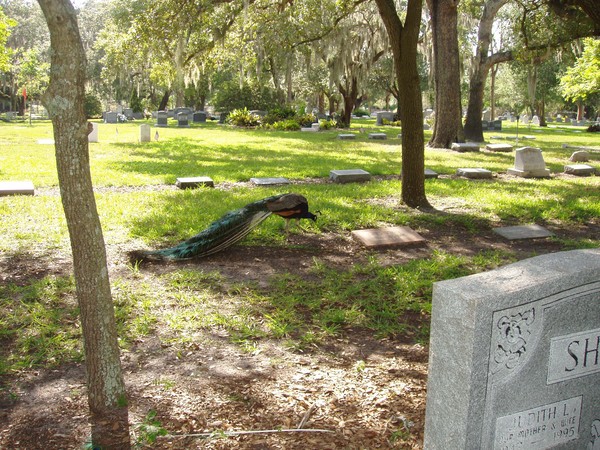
(38, 315)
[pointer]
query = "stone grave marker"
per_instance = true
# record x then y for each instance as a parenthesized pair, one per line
(378, 136)
(499, 147)
(529, 163)
(182, 120)
(349, 175)
(269, 181)
(16, 188)
(465, 146)
(194, 182)
(145, 133)
(93, 136)
(430, 173)
(110, 117)
(580, 169)
(514, 357)
(474, 173)
(346, 136)
(381, 115)
(199, 117)
(388, 237)
(579, 156)
(523, 232)
(162, 118)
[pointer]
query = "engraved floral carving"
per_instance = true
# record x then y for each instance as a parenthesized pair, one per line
(513, 332)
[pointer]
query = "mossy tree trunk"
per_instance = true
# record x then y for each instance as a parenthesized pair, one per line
(64, 101)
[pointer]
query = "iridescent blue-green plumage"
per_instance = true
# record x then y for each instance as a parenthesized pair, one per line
(233, 227)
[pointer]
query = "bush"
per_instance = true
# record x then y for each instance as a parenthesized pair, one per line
(284, 125)
(279, 114)
(243, 118)
(327, 124)
(361, 113)
(92, 106)
(305, 120)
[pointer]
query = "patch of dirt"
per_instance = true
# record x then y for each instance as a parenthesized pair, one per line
(362, 392)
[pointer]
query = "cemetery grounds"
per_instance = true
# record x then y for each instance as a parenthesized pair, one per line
(312, 331)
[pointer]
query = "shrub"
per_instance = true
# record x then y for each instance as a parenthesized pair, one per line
(361, 113)
(305, 120)
(327, 124)
(284, 125)
(92, 106)
(279, 114)
(243, 118)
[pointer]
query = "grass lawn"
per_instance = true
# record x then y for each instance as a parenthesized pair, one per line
(306, 292)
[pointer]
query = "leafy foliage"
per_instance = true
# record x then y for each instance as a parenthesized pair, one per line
(243, 118)
(92, 106)
(582, 81)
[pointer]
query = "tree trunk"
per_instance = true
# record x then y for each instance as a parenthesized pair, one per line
(164, 101)
(64, 101)
(482, 62)
(349, 94)
(403, 40)
(448, 112)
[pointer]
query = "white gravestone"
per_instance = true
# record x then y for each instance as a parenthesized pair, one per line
(514, 357)
(145, 133)
(529, 163)
(93, 136)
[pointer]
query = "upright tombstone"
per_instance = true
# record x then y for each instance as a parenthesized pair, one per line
(162, 118)
(182, 120)
(535, 120)
(199, 117)
(111, 117)
(384, 115)
(93, 135)
(514, 357)
(145, 133)
(529, 163)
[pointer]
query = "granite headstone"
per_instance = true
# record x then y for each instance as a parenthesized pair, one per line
(514, 357)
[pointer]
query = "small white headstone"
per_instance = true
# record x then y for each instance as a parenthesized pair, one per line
(580, 156)
(93, 136)
(145, 133)
(529, 163)
(535, 120)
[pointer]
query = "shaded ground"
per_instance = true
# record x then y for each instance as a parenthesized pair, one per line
(363, 392)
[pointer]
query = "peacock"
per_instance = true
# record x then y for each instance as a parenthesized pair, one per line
(233, 227)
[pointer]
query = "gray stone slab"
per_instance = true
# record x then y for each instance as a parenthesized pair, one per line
(388, 237)
(523, 232)
(346, 136)
(194, 182)
(269, 181)
(513, 359)
(465, 147)
(378, 136)
(580, 169)
(474, 173)
(349, 175)
(16, 188)
(310, 130)
(430, 173)
(499, 147)
(529, 163)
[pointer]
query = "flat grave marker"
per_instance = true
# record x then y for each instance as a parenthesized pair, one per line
(388, 237)
(465, 147)
(378, 136)
(513, 361)
(523, 232)
(16, 188)
(580, 169)
(346, 136)
(499, 147)
(194, 182)
(269, 181)
(474, 173)
(349, 175)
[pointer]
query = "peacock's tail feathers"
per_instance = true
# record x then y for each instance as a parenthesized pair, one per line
(222, 233)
